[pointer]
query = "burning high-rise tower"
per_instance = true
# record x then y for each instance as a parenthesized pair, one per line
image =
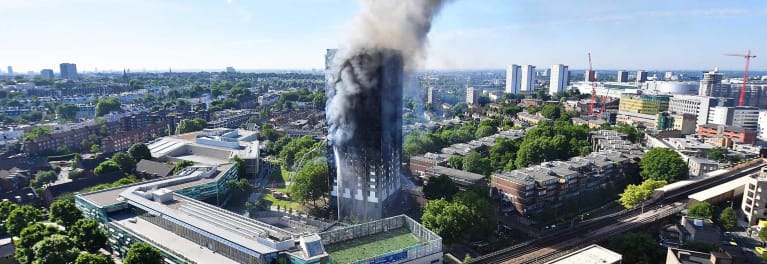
(365, 131)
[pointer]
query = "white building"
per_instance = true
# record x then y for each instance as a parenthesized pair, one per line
(696, 105)
(472, 96)
(527, 83)
(762, 126)
(513, 83)
(739, 116)
(711, 85)
(559, 79)
(641, 76)
(671, 87)
(432, 96)
(754, 199)
(623, 76)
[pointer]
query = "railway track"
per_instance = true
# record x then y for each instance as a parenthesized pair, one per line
(596, 230)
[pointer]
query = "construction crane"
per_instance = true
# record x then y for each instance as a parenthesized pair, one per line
(591, 78)
(748, 57)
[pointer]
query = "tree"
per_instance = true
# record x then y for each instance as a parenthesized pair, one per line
(37, 132)
(240, 189)
(310, 182)
(269, 133)
(473, 162)
(66, 111)
(45, 177)
(459, 108)
(64, 212)
(763, 234)
(551, 111)
(467, 216)
(105, 167)
(637, 248)
(191, 125)
(455, 162)
(663, 164)
(717, 154)
(28, 237)
(700, 210)
(143, 253)
(106, 105)
(182, 164)
(484, 131)
(55, 249)
(633, 195)
(126, 163)
(140, 151)
(728, 218)
(290, 152)
(6, 207)
(441, 187)
(631, 132)
(240, 163)
(21, 217)
(87, 234)
(88, 258)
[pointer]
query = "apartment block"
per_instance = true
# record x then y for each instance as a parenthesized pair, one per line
(736, 134)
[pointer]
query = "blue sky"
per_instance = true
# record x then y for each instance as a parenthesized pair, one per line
(293, 34)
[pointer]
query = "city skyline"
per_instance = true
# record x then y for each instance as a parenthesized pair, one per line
(261, 35)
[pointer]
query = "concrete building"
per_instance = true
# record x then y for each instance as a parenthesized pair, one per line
(699, 166)
(593, 254)
(472, 96)
(711, 85)
(641, 76)
(684, 256)
(560, 78)
(432, 96)
(739, 116)
(46, 74)
(10, 70)
(590, 76)
(754, 200)
(527, 83)
(671, 87)
(642, 108)
(762, 125)
(623, 76)
(696, 105)
(513, 81)
(686, 123)
(462, 179)
(68, 71)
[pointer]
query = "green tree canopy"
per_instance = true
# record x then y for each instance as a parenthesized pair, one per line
(140, 151)
(87, 235)
(419, 142)
(441, 187)
(106, 166)
(634, 195)
(551, 111)
(106, 105)
(88, 258)
(484, 131)
(311, 182)
(21, 217)
(29, 236)
(37, 132)
(289, 153)
(55, 249)
(143, 253)
(637, 248)
(126, 163)
(181, 164)
(763, 234)
(66, 111)
(468, 216)
(728, 218)
(455, 162)
(240, 163)
(5, 210)
(191, 125)
(45, 177)
(64, 212)
(700, 210)
(663, 164)
(268, 132)
(631, 132)
(473, 162)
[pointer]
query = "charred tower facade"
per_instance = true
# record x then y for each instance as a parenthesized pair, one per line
(364, 89)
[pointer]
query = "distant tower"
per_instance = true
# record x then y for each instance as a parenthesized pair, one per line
(559, 78)
(125, 76)
(623, 76)
(513, 83)
(472, 96)
(10, 70)
(432, 96)
(527, 84)
(641, 76)
(68, 70)
(46, 74)
(589, 76)
(711, 85)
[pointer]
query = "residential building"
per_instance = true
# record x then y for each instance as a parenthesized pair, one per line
(762, 125)
(590, 76)
(684, 256)
(623, 76)
(740, 116)
(530, 118)
(532, 190)
(711, 85)
(462, 179)
(124, 140)
(754, 199)
(641, 76)
(588, 255)
(47, 74)
(690, 146)
(686, 123)
(68, 70)
(472, 96)
(699, 166)
(736, 134)
(513, 81)
(432, 96)
(527, 83)
(560, 78)
(231, 118)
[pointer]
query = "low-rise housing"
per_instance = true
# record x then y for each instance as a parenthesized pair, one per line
(736, 134)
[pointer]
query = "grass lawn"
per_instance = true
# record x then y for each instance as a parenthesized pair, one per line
(278, 181)
(371, 246)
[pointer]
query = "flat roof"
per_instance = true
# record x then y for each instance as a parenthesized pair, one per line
(179, 245)
(720, 189)
(593, 254)
(456, 173)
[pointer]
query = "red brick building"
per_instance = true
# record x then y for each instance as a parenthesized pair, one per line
(736, 134)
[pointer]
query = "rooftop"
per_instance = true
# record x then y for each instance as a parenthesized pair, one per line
(371, 246)
(593, 254)
(455, 173)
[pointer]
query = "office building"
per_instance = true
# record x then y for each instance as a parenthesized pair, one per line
(641, 76)
(10, 70)
(546, 72)
(646, 104)
(711, 85)
(559, 79)
(367, 162)
(696, 105)
(472, 96)
(623, 76)
(527, 83)
(47, 74)
(754, 200)
(432, 96)
(762, 127)
(739, 116)
(68, 70)
(513, 82)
